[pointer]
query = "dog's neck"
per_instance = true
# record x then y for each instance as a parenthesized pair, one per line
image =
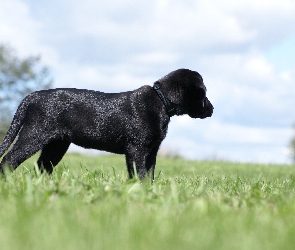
(165, 100)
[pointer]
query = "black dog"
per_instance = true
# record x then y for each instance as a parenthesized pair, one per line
(133, 123)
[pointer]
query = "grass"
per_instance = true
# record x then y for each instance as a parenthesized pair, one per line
(88, 203)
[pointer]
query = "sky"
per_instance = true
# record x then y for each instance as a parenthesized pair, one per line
(244, 49)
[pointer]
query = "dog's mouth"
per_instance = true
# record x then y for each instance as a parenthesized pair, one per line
(205, 110)
(206, 113)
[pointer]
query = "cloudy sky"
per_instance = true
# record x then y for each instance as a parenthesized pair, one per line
(244, 49)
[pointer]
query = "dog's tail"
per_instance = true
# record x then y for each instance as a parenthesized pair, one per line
(15, 126)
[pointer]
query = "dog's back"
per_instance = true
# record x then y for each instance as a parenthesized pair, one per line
(82, 116)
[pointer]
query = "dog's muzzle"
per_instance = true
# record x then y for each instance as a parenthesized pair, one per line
(207, 109)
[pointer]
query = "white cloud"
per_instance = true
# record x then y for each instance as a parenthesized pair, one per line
(22, 33)
(17, 29)
(160, 25)
(267, 19)
(156, 58)
(227, 141)
(248, 89)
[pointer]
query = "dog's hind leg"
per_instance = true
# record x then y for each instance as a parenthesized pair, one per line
(51, 154)
(31, 139)
(19, 153)
(15, 126)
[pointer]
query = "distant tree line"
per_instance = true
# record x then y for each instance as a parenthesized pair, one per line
(18, 78)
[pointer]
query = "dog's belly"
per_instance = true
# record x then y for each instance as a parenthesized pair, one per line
(113, 146)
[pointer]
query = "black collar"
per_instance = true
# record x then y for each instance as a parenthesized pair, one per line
(167, 103)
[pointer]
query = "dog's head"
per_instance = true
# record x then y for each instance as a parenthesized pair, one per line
(188, 93)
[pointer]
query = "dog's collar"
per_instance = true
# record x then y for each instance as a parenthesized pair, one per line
(167, 103)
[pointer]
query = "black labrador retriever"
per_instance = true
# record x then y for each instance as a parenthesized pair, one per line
(133, 123)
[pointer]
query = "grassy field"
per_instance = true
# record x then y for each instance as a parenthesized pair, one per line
(88, 203)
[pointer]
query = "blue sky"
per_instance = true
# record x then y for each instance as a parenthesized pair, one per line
(282, 55)
(245, 51)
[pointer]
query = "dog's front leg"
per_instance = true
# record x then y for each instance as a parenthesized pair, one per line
(151, 162)
(138, 161)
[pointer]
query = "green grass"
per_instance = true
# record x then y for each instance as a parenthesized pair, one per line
(88, 203)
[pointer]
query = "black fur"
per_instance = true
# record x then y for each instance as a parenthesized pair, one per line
(133, 123)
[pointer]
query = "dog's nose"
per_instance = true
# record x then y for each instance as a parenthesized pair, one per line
(210, 107)
(207, 103)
